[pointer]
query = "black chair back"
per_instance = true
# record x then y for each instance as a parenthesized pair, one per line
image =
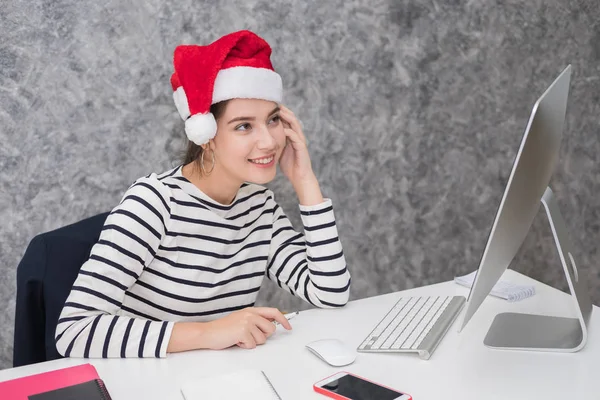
(45, 276)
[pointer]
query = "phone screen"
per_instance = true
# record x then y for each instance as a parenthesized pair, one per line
(358, 389)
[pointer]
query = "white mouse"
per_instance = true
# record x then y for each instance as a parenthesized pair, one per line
(333, 352)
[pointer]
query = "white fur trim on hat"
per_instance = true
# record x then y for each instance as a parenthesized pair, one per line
(181, 103)
(247, 83)
(200, 128)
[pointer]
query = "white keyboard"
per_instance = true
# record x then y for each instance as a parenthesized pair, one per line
(414, 324)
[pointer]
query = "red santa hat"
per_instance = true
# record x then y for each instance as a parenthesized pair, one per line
(237, 65)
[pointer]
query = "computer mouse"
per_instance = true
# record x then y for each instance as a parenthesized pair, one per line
(333, 352)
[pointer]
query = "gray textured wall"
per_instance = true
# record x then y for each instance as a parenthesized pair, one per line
(413, 110)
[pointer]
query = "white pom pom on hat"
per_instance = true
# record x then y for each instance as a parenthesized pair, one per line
(200, 128)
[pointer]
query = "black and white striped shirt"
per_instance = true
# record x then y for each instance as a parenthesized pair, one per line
(170, 253)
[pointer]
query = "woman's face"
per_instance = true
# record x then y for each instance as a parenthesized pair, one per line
(249, 140)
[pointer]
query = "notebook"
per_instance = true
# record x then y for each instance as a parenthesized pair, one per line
(90, 390)
(21, 388)
(502, 289)
(244, 384)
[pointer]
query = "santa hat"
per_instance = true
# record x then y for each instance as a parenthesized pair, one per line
(237, 65)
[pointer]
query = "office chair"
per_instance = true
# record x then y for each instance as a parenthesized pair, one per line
(45, 276)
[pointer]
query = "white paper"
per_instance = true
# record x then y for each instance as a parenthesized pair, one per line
(244, 384)
(502, 289)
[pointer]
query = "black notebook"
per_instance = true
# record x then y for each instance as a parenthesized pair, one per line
(90, 390)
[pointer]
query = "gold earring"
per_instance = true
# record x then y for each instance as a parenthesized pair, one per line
(204, 172)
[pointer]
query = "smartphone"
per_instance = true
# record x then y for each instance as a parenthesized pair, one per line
(346, 386)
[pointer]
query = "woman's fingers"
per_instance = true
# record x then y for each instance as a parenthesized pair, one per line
(248, 341)
(258, 335)
(259, 327)
(273, 314)
(293, 136)
(289, 117)
(265, 325)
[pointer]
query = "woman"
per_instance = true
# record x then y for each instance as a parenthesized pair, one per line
(181, 259)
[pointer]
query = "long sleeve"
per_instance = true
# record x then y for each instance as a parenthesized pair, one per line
(311, 265)
(90, 324)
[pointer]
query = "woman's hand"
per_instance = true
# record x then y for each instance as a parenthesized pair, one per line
(295, 160)
(245, 328)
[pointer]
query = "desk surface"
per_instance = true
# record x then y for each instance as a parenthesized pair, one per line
(460, 368)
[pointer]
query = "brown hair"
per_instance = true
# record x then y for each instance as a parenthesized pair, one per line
(194, 151)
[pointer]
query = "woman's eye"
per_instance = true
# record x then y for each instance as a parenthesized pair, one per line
(274, 120)
(243, 127)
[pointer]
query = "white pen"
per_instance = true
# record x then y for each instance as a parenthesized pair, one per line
(288, 316)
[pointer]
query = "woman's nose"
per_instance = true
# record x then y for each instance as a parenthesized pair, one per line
(266, 140)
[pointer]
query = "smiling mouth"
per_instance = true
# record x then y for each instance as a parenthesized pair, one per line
(262, 160)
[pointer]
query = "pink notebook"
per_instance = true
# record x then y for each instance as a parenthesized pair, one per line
(21, 388)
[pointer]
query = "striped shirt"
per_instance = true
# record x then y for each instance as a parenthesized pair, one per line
(170, 253)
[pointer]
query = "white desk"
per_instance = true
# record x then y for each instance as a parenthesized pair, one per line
(461, 367)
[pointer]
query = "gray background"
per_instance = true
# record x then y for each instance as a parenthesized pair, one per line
(413, 109)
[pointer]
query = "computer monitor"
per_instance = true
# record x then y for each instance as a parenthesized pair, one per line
(526, 189)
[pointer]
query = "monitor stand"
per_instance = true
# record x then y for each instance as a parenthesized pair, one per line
(514, 331)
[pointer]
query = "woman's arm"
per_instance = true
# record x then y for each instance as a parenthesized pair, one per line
(90, 324)
(310, 265)
(245, 328)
